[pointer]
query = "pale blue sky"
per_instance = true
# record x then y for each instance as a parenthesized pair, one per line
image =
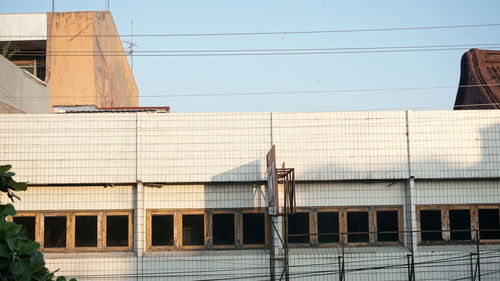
(235, 74)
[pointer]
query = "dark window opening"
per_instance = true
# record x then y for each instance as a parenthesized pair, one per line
(489, 224)
(86, 231)
(162, 227)
(430, 224)
(298, 228)
(117, 231)
(357, 227)
(55, 232)
(223, 229)
(193, 230)
(328, 227)
(253, 229)
(28, 224)
(387, 226)
(460, 225)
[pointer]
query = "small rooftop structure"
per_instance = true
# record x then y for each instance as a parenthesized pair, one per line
(479, 86)
(95, 109)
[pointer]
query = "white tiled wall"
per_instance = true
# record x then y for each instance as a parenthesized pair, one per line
(458, 192)
(342, 145)
(237, 195)
(102, 197)
(72, 148)
(455, 144)
(231, 147)
(203, 147)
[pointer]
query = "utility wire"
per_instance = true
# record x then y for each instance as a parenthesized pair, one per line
(35, 52)
(263, 53)
(271, 32)
(290, 92)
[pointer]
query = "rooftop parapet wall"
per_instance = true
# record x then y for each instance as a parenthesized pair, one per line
(96, 79)
(231, 147)
(20, 91)
(23, 27)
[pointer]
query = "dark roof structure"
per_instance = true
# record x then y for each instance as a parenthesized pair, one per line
(479, 86)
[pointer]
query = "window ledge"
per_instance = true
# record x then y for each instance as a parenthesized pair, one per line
(456, 248)
(208, 253)
(349, 250)
(79, 255)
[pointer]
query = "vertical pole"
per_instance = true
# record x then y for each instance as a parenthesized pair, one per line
(408, 266)
(412, 266)
(271, 248)
(471, 267)
(285, 228)
(478, 265)
(341, 259)
(53, 5)
(139, 229)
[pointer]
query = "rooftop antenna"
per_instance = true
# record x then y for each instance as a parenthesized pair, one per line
(53, 5)
(106, 5)
(131, 46)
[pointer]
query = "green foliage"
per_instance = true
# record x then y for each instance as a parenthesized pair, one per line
(7, 53)
(20, 259)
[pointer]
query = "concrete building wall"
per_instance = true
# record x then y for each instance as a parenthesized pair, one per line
(22, 27)
(22, 90)
(79, 79)
(231, 147)
(194, 161)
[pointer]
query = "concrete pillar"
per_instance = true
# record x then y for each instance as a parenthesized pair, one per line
(139, 229)
(410, 215)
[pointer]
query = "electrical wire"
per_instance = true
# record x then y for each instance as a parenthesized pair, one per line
(265, 33)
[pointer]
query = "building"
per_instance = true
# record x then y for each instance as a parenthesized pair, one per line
(147, 196)
(479, 86)
(68, 52)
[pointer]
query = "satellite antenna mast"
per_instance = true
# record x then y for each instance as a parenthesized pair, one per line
(131, 46)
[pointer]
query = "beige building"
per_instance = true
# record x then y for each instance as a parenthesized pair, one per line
(68, 52)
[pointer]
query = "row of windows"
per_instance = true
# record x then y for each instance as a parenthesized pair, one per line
(249, 228)
(460, 223)
(355, 226)
(79, 231)
(174, 229)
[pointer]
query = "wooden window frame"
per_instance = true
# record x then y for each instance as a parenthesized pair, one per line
(343, 233)
(370, 226)
(399, 210)
(149, 230)
(205, 230)
(315, 227)
(100, 231)
(312, 228)
(130, 245)
(266, 228)
(445, 222)
(419, 227)
(208, 231)
(38, 224)
(71, 229)
(485, 206)
(211, 229)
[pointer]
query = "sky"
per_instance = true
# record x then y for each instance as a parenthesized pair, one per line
(158, 78)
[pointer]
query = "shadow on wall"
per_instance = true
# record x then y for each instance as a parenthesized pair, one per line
(462, 164)
(467, 157)
(227, 187)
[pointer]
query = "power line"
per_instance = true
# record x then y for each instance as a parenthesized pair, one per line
(264, 54)
(258, 50)
(289, 92)
(274, 32)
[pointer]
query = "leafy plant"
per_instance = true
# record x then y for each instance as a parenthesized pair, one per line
(20, 259)
(6, 52)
